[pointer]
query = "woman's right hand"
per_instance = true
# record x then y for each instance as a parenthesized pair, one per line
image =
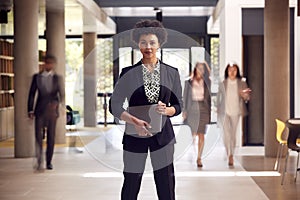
(141, 127)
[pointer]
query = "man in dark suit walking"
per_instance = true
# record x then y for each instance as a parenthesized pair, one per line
(48, 87)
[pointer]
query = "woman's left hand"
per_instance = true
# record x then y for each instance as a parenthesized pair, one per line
(245, 94)
(161, 108)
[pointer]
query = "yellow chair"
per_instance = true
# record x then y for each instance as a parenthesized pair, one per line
(280, 127)
(279, 131)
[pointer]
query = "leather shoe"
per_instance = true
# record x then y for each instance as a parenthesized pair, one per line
(230, 160)
(199, 163)
(50, 166)
(39, 168)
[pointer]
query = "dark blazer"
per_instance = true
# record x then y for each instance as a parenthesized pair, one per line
(187, 95)
(44, 97)
(130, 86)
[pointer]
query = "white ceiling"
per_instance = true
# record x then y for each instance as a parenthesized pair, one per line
(155, 3)
(167, 11)
(86, 15)
(80, 15)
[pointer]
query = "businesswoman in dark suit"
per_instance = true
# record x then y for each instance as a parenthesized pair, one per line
(48, 88)
(197, 104)
(148, 82)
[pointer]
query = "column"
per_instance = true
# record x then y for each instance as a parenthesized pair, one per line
(90, 92)
(230, 34)
(231, 41)
(25, 65)
(276, 69)
(55, 35)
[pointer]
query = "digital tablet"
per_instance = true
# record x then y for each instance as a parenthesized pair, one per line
(148, 114)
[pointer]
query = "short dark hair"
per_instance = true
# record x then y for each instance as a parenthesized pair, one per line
(238, 74)
(147, 26)
(50, 57)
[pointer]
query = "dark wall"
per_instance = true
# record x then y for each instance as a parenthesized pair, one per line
(254, 70)
(253, 62)
(186, 25)
(253, 59)
(292, 64)
(253, 21)
(183, 32)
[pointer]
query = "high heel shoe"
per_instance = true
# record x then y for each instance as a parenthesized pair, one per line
(199, 163)
(230, 160)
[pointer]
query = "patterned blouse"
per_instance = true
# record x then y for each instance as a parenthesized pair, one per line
(152, 83)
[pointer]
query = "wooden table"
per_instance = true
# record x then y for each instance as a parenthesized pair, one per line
(294, 133)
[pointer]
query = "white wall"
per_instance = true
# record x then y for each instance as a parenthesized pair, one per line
(231, 41)
(227, 21)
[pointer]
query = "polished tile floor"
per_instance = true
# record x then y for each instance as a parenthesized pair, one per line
(89, 167)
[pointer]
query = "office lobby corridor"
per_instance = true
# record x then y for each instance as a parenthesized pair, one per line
(89, 167)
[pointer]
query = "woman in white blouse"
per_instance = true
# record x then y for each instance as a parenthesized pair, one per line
(232, 96)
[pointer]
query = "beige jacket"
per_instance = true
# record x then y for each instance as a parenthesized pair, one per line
(222, 96)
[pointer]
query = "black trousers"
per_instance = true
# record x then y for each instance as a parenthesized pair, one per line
(47, 120)
(134, 158)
